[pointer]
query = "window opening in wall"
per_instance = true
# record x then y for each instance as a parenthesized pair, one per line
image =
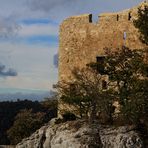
(117, 17)
(90, 18)
(93, 18)
(100, 64)
(104, 84)
(129, 16)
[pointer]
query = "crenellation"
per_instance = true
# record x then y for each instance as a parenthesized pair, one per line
(81, 19)
(115, 17)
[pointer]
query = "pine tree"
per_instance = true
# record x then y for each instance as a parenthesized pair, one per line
(142, 23)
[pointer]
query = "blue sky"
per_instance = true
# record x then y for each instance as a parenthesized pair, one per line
(29, 39)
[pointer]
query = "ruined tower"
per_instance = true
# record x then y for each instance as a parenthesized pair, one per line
(81, 40)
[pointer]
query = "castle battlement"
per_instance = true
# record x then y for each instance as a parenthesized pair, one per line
(125, 15)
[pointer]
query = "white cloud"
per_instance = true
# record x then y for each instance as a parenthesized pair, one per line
(8, 27)
(34, 65)
(23, 82)
(12, 11)
(38, 29)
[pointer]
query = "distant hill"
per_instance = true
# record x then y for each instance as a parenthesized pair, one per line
(14, 94)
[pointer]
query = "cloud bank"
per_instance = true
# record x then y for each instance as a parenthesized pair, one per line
(6, 73)
(8, 27)
(61, 9)
(47, 5)
(29, 37)
(55, 60)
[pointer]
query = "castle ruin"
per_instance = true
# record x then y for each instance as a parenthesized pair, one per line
(82, 41)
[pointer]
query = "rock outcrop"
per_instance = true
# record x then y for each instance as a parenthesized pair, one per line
(78, 134)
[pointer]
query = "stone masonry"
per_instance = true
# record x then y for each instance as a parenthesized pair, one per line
(81, 40)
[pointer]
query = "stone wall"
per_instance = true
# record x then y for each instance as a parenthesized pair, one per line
(81, 40)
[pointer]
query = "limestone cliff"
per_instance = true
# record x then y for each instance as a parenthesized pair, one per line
(78, 134)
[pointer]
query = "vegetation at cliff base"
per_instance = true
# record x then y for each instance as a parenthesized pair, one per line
(125, 73)
(21, 118)
(85, 95)
(26, 122)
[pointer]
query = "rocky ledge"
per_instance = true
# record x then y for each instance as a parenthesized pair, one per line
(78, 134)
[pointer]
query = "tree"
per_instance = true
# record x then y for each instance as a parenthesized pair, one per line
(127, 71)
(50, 106)
(142, 23)
(85, 93)
(26, 122)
